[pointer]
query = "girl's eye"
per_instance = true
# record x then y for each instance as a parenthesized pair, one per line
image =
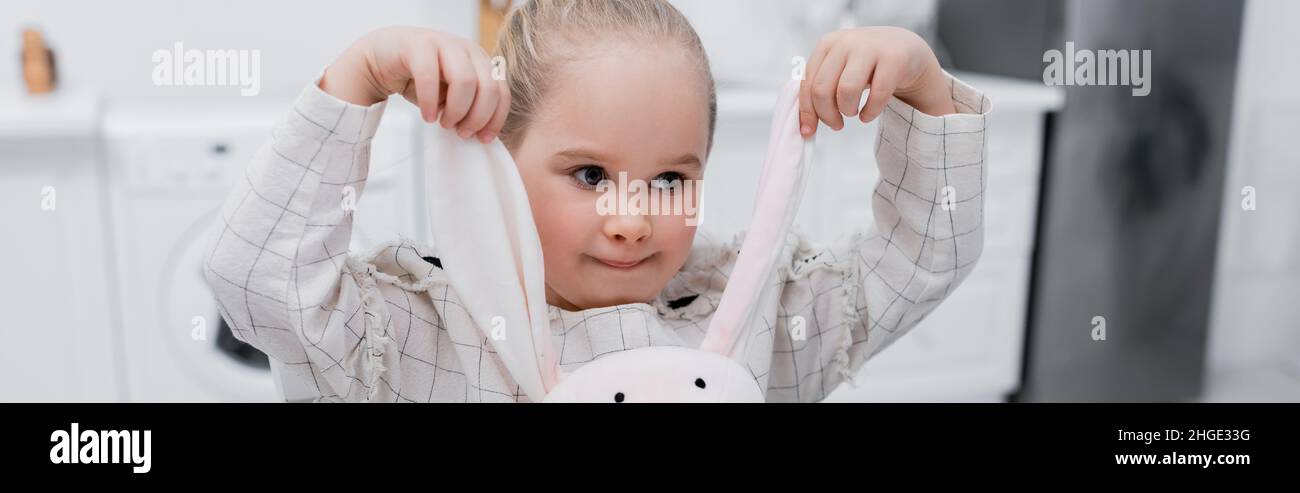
(589, 176)
(670, 180)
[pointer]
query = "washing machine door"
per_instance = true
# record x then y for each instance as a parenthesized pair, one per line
(222, 366)
(206, 361)
(169, 182)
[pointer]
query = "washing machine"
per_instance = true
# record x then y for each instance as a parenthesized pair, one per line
(170, 170)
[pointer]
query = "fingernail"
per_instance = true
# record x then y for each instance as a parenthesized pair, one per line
(805, 130)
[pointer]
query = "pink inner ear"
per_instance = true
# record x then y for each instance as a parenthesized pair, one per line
(780, 189)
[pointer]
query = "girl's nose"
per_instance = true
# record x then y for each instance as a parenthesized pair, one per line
(631, 228)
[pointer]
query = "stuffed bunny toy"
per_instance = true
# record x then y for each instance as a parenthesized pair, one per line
(499, 275)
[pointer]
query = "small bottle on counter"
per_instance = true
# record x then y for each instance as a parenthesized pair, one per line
(38, 63)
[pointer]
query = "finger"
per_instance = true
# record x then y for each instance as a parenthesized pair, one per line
(883, 84)
(423, 67)
(493, 128)
(807, 113)
(857, 73)
(462, 82)
(825, 86)
(485, 96)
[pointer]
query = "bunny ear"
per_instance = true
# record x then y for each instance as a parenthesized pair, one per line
(483, 231)
(780, 188)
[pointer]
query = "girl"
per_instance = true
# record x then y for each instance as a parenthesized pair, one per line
(388, 327)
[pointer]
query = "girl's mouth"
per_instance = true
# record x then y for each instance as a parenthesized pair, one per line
(621, 264)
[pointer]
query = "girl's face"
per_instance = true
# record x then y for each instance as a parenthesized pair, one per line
(642, 111)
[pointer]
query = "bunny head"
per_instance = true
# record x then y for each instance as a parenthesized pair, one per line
(495, 261)
(658, 374)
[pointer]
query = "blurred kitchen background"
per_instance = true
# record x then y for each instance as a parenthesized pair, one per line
(1102, 207)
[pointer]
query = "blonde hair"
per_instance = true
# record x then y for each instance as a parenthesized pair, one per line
(526, 43)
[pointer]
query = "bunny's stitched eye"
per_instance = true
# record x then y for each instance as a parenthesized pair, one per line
(618, 397)
(699, 382)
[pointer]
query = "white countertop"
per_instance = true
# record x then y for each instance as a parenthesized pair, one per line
(1006, 93)
(1013, 94)
(58, 114)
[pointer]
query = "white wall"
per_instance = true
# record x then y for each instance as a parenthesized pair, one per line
(1255, 320)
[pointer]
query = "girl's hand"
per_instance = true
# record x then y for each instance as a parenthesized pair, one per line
(890, 61)
(442, 74)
